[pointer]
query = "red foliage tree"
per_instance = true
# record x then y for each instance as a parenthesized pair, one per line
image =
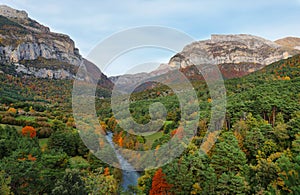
(29, 130)
(159, 184)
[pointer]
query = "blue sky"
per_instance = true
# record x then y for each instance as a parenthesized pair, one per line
(90, 21)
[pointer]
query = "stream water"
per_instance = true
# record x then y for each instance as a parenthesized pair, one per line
(129, 175)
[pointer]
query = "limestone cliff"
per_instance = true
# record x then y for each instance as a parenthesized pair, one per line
(31, 49)
(236, 55)
(22, 38)
(289, 42)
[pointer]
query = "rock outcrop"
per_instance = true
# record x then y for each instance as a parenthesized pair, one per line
(232, 49)
(22, 38)
(44, 72)
(235, 55)
(32, 49)
(289, 42)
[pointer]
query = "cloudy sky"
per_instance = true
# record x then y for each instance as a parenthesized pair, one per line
(91, 21)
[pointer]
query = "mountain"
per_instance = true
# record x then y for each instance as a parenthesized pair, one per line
(28, 48)
(289, 42)
(127, 80)
(235, 55)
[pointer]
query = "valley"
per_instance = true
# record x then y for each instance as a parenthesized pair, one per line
(42, 150)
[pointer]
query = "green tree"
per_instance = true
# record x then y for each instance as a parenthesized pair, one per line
(99, 183)
(145, 181)
(53, 165)
(71, 183)
(23, 169)
(294, 125)
(230, 183)
(8, 141)
(263, 174)
(253, 141)
(4, 183)
(289, 174)
(191, 173)
(65, 141)
(227, 156)
(57, 125)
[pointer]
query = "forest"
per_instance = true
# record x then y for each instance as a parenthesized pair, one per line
(257, 151)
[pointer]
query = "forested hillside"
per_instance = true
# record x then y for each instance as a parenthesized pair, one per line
(256, 153)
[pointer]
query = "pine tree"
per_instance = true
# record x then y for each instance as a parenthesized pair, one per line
(227, 156)
(229, 183)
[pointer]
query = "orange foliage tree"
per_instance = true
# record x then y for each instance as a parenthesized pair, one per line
(106, 171)
(29, 130)
(120, 141)
(159, 184)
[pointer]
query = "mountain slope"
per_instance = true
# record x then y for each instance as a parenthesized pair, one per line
(233, 51)
(289, 42)
(31, 49)
(235, 55)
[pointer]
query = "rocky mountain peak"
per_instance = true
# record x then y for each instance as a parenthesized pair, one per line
(31, 49)
(22, 38)
(250, 40)
(12, 13)
(289, 42)
(233, 49)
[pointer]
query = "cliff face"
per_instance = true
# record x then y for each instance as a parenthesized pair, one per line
(22, 38)
(236, 55)
(289, 42)
(32, 49)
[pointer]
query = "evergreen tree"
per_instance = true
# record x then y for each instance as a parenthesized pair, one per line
(227, 156)
(230, 183)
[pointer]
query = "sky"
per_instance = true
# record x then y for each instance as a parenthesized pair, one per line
(89, 22)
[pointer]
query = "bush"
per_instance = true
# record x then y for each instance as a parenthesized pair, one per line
(44, 132)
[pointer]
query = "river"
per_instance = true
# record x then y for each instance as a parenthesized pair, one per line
(129, 175)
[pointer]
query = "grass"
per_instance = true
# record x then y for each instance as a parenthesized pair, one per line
(43, 143)
(26, 118)
(151, 138)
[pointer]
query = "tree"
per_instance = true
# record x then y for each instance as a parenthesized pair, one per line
(254, 141)
(29, 130)
(289, 175)
(12, 111)
(71, 183)
(4, 183)
(8, 141)
(281, 132)
(229, 183)
(23, 167)
(192, 173)
(159, 184)
(100, 183)
(63, 140)
(57, 125)
(227, 156)
(53, 165)
(294, 125)
(263, 174)
(144, 182)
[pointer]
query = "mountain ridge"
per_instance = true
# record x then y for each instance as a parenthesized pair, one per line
(235, 56)
(28, 48)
